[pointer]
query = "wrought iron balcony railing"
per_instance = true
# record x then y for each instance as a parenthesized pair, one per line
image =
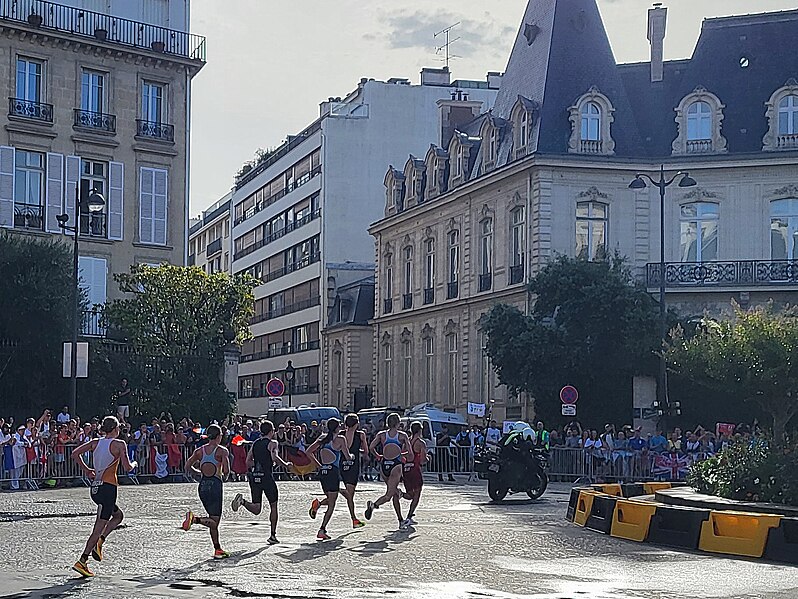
(283, 350)
(92, 324)
(387, 306)
(407, 301)
(452, 290)
(94, 224)
(155, 130)
(27, 216)
(295, 390)
(103, 28)
(516, 274)
(485, 282)
(740, 273)
(95, 120)
(429, 296)
(28, 109)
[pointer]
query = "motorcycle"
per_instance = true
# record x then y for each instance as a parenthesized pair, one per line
(510, 473)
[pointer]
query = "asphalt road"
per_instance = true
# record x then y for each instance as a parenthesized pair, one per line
(463, 547)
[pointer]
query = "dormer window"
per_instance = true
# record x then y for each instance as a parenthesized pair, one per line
(394, 191)
(788, 115)
(591, 125)
(435, 166)
(782, 113)
(523, 118)
(523, 129)
(699, 117)
(490, 145)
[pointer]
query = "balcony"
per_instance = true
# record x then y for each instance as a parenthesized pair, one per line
(516, 274)
(295, 390)
(155, 130)
(387, 306)
(301, 222)
(289, 309)
(485, 282)
(289, 268)
(96, 121)
(429, 296)
(787, 142)
(94, 224)
(192, 260)
(407, 301)
(452, 289)
(103, 28)
(699, 146)
(266, 202)
(29, 217)
(591, 146)
(91, 324)
(741, 273)
(28, 109)
(283, 350)
(213, 247)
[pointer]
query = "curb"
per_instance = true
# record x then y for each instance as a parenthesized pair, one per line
(631, 512)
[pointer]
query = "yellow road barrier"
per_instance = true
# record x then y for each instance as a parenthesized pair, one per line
(737, 533)
(632, 519)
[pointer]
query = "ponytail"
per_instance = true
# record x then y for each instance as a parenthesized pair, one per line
(333, 424)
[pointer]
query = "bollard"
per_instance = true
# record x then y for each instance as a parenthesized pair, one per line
(632, 490)
(613, 489)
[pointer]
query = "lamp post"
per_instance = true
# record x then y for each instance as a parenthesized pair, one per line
(638, 183)
(92, 203)
(290, 373)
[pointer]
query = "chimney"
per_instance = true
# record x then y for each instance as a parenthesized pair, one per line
(455, 113)
(430, 76)
(657, 19)
(494, 80)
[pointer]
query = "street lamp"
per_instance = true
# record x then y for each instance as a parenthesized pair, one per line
(92, 204)
(638, 183)
(290, 373)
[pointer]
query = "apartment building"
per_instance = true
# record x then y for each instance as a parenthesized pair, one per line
(548, 173)
(99, 95)
(209, 238)
(301, 216)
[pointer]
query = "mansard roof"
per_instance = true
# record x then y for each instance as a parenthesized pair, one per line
(353, 304)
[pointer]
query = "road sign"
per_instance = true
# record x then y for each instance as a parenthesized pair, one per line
(569, 395)
(568, 410)
(275, 388)
(82, 368)
(275, 402)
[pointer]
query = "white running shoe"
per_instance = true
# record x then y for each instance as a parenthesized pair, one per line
(404, 525)
(238, 501)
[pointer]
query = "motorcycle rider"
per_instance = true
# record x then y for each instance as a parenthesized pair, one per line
(518, 444)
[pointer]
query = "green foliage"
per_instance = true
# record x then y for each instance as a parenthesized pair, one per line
(36, 313)
(605, 332)
(753, 356)
(750, 471)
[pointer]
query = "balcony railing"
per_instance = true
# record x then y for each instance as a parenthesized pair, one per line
(293, 226)
(699, 146)
(387, 306)
(213, 247)
(92, 324)
(283, 350)
(485, 282)
(95, 120)
(516, 274)
(94, 224)
(289, 309)
(288, 269)
(155, 130)
(192, 260)
(103, 28)
(787, 142)
(407, 301)
(28, 217)
(295, 390)
(452, 289)
(741, 273)
(591, 146)
(28, 109)
(266, 202)
(429, 295)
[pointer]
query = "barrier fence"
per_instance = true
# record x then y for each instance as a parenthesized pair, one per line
(44, 466)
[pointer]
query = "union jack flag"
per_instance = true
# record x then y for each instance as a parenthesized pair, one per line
(671, 466)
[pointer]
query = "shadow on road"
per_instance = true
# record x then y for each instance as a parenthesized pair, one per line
(59, 590)
(310, 551)
(385, 545)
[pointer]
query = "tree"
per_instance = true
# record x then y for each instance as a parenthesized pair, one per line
(592, 326)
(36, 318)
(176, 322)
(753, 355)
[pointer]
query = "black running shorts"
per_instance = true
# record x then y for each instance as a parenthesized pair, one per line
(387, 467)
(350, 472)
(330, 479)
(210, 494)
(104, 495)
(260, 485)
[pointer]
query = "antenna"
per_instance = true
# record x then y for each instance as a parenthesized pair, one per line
(446, 46)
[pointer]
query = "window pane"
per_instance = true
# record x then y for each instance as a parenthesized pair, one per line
(709, 241)
(598, 241)
(778, 239)
(689, 211)
(583, 210)
(582, 240)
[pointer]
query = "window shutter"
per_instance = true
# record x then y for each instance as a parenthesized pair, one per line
(6, 186)
(72, 180)
(116, 207)
(55, 191)
(146, 205)
(161, 178)
(93, 277)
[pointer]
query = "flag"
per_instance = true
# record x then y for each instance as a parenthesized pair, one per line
(671, 466)
(302, 463)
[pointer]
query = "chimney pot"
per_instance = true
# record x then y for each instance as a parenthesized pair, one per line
(657, 22)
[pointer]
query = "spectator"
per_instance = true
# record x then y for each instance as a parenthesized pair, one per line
(542, 438)
(123, 397)
(63, 415)
(443, 443)
(21, 443)
(659, 444)
(493, 433)
(637, 443)
(573, 441)
(555, 440)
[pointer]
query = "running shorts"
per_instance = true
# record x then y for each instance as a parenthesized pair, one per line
(262, 484)
(413, 479)
(387, 467)
(210, 494)
(104, 495)
(350, 472)
(330, 478)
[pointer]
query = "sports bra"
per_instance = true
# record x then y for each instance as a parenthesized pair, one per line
(329, 446)
(211, 459)
(392, 441)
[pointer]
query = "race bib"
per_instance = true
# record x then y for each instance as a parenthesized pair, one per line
(347, 465)
(257, 477)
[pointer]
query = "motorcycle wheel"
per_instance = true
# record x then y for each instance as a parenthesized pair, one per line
(540, 488)
(496, 492)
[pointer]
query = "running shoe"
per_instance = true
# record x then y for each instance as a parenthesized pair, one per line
(412, 520)
(188, 521)
(322, 536)
(220, 554)
(370, 507)
(273, 540)
(357, 523)
(314, 508)
(97, 552)
(405, 524)
(82, 569)
(238, 501)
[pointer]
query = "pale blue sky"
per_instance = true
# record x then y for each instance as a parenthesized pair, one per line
(270, 62)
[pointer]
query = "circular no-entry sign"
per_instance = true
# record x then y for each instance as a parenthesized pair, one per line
(569, 395)
(275, 388)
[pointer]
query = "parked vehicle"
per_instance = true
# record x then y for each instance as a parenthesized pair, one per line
(519, 469)
(302, 414)
(432, 421)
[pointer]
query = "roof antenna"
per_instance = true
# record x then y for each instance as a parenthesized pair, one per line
(447, 45)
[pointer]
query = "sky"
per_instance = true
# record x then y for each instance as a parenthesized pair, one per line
(270, 62)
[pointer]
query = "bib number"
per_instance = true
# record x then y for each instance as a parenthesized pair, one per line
(257, 478)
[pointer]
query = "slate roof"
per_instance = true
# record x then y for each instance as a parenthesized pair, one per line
(353, 304)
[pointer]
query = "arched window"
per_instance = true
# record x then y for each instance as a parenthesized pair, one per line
(388, 289)
(591, 122)
(788, 115)
(699, 122)
(387, 372)
(591, 119)
(591, 230)
(699, 232)
(453, 263)
(699, 117)
(429, 271)
(485, 254)
(784, 229)
(338, 374)
(523, 129)
(429, 369)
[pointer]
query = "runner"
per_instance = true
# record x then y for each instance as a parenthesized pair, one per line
(350, 469)
(214, 465)
(108, 453)
(395, 445)
(330, 448)
(260, 462)
(412, 475)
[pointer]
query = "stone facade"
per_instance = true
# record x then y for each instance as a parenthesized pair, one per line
(209, 242)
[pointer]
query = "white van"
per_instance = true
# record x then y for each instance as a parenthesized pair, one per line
(432, 421)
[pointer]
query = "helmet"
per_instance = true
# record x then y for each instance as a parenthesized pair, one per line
(519, 426)
(529, 434)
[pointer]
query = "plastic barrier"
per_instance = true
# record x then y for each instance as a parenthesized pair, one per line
(632, 490)
(782, 544)
(584, 505)
(737, 533)
(601, 513)
(572, 502)
(632, 520)
(677, 526)
(614, 490)
(651, 488)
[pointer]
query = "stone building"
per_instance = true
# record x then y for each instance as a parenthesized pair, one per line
(99, 95)
(209, 242)
(547, 173)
